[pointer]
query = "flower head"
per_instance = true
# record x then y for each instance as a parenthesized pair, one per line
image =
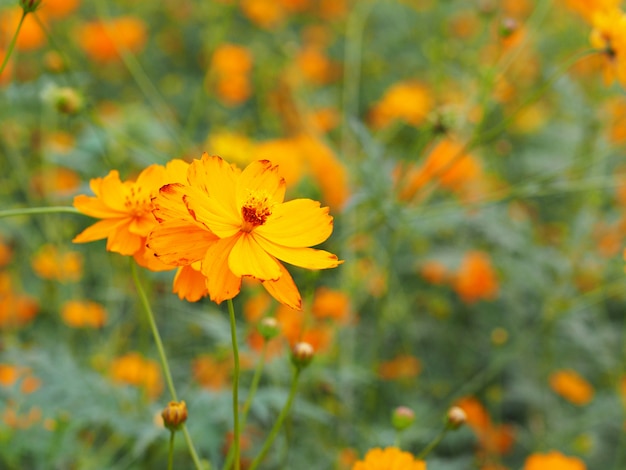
(554, 461)
(237, 224)
(571, 386)
(390, 458)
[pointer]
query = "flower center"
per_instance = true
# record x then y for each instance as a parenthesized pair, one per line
(255, 210)
(137, 202)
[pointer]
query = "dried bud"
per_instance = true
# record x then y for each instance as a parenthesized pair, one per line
(269, 328)
(174, 415)
(29, 6)
(302, 354)
(456, 417)
(402, 417)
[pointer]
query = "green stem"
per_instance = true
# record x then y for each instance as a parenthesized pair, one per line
(13, 41)
(236, 431)
(279, 422)
(162, 355)
(246, 406)
(434, 443)
(170, 458)
(38, 210)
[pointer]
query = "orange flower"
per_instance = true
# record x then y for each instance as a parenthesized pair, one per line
(133, 369)
(58, 8)
(553, 461)
(333, 304)
(571, 386)
(57, 264)
(57, 181)
(241, 227)
(409, 102)
(264, 13)
(434, 272)
(126, 210)
(103, 41)
(609, 36)
(5, 253)
(390, 458)
(83, 314)
(315, 66)
(233, 90)
(231, 59)
(476, 278)
(401, 367)
(588, 8)
(15, 309)
(31, 35)
(493, 439)
(211, 373)
(9, 375)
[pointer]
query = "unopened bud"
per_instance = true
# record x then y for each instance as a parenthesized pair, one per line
(68, 101)
(29, 6)
(174, 415)
(508, 27)
(302, 354)
(456, 417)
(402, 417)
(269, 328)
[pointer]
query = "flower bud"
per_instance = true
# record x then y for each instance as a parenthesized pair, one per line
(402, 417)
(508, 27)
(456, 417)
(302, 354)
(68, 101)
(268, 328)
(174, 415)
(29, 6)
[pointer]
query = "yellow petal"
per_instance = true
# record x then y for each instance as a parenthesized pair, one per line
(179, 242)
(216, 178)
(95, 207)
(142, 225)
(221, 283)
(247, 258)
(303, 257)
(99, 230)
(123, 242)
(260, 176)
(209, 212)
(284, 289)
(297, 223)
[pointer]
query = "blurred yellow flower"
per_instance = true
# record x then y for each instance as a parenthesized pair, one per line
(134, 369)
(609, 37)
(553, 461)
(571, 386)
(409, 102)
(102, 41)
(390, 458)
(58, 264)
(83, 314)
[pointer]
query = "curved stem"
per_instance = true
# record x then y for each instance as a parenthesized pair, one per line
(434, 443)
(170, 457)
(162, 355)
(13, 41)
(236, 431)
(279, 422)
(38, 210)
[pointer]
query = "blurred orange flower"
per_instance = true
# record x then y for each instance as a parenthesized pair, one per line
(609, 37)
(254, 227)
(211, 373)
(409, 102)
(126, 210)
(401, 367)
(31, 35)
(56, 181)
(58, 8)
(134, 369)
(103, 41)
(434, 272)
(588, 8)
(83, 314)
(315, 66)
(476, 279)
(53, 263)
(15, 309)
(331, 304)
(6, 253)
(390, 458)
(493, 439)
(553, 461)
(231, 59)
(10, 374)
(264, 13)
(571, 386)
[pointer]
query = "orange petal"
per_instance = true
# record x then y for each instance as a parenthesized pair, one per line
(189, 284)
(284, 289)
(169, 204)
(95, 207)
(142, 225)
(260, 176)
(100, 230)
(216, 178)
(208, 211)
(179, 242)
(221, 283)
(297, 223)
(303, 257)
(123, 242)
(247, 258)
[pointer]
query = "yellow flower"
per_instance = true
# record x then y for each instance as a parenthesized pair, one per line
(571, 386)
(390, 458)
(125, 208)
(609, 35)
(241, 227)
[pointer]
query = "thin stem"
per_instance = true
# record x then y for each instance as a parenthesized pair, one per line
(236, 432)
(170, 458)
(13, 41)
(246, 406)
(279, 422)
(162, 356)
(38, 210)
(434, 443)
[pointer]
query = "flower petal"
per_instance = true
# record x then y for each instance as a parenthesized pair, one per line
(298, 223)
(216, 178)
(260, 176)
(209, 212)
(247, 258)
(303, 257)
(96, 207)
(189, 284)
(100, 230)
(221, 283)
(284, 289)
(179, 242)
